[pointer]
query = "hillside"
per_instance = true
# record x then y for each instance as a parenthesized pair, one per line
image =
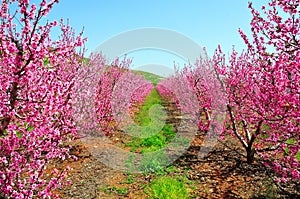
(149, 76)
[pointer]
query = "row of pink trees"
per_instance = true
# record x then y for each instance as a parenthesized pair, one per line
(118, 89)
(41, 103)
(49, 92)
(36, 79)
(261, 86)
(104, 94)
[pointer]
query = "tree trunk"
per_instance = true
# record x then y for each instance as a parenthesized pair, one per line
(250, 155)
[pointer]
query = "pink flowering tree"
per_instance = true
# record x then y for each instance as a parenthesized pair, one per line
(131, 89)
(104, 95)
(106, 83)
(85, 93)
(263, 84)
(36, 79)
(197, 92)
(118, 90)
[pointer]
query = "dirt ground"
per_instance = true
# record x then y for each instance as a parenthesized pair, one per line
(222, 173)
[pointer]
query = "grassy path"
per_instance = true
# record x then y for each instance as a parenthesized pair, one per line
(219, 175)
(161, 138)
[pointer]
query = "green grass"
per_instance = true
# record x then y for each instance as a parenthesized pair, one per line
(129, 180)
(154, 163)
(149, 76)
(115, 190)
(152, 143)
(142, 118)
(151, 134)
(157, 139)
(168, 188)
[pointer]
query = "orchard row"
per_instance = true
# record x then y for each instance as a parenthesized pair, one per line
(49, 94)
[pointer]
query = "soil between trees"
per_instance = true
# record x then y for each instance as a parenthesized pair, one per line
(222, 173)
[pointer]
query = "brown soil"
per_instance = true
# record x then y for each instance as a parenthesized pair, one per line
(223, 173)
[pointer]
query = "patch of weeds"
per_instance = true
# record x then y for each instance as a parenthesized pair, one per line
(129, 162)
(83, 182)
(142, 118)
(269, 190)
(193, 187)
(155, 142)
(153, 162)
(134, 148)
(129, 180)
(122, 191)
(105, 189)
(196, 196)
(160, 134)
(158, 140)
(168, 132)
(181, 141)
(143, 186)
(269, 193)
(187, 168)
(115, 190)
(150, 166)
(166, 170)
(172, 169)
(168, 188)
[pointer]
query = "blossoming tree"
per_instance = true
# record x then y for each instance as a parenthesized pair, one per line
(36, 79)
(261, 86)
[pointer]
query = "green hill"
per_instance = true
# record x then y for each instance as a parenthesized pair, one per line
(149, 76)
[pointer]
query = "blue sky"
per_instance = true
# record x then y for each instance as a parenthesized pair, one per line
(208, 23)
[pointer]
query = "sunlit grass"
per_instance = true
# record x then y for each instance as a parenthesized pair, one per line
(168, 188)
(161, 138)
